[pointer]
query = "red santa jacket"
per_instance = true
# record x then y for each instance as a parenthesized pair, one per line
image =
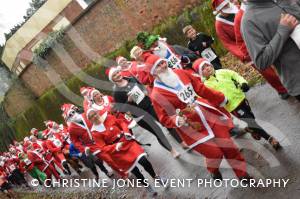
(80, 134)
(238, 36)
(11, 164)
(226, 34)
(2, 176)
(202, 119)
(26, 165)
(54, 145)
(109, 135)
(131, 71)
(106, 108)
(40, 146)
(37, 159)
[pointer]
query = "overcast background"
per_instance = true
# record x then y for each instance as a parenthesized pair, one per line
(11, 13)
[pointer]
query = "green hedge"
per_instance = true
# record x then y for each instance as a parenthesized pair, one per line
(48, 105)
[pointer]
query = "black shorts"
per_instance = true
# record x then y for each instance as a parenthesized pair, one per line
(5, 186)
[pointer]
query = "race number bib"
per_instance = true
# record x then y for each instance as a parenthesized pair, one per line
(174, 62)
(27, 161)
(137, 94)
(208, 54)
(165, 52)
(57, 143)
(187, 94)
(296, 35)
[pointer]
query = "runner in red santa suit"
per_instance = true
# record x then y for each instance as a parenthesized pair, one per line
(5, 186)
(270, 73)
(55, 144)
(18, 146)
(104, 104)
(135, 69)
(115, 140)
(39, 161)
(34, 132)
(79, 128)
(225, 13)
(11, 165)
(183, 102)
(40, 146)
(43, 142)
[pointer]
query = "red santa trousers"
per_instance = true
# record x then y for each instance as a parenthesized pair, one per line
(219, 147)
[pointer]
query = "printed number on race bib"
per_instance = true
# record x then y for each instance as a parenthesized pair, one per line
(137, 94)
(173, 62)
(187, 94)
(27, 161)
(208, 54)
(296, 35)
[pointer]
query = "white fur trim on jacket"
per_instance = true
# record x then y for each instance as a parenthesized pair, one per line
(220, 7)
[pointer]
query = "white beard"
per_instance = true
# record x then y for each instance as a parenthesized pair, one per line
(76, 118)
(169, 78)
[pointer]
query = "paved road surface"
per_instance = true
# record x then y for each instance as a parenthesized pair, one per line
(280, 118)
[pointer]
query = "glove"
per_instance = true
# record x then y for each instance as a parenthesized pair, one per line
(245, 88)
(79, 155)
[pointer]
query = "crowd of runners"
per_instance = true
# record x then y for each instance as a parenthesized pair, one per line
(184, 89)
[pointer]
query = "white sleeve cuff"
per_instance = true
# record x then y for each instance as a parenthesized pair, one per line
(118, 146)
(224, 102)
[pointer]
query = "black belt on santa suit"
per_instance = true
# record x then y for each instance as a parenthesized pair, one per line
(123, 135)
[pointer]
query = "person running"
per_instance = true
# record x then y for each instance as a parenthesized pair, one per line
(39, 161)
(233, 86)
(131, 96)
(5, 186)
(104, 103)
(79, 128)
(55, 145)
(183, 102)
(115, 140)
(201, 44)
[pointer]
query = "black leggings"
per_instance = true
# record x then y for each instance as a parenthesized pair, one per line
(147, 166)
(148, 122)
(91, 161)
(172, 131)
(298, 97)
(244, 112)
(17, 178)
